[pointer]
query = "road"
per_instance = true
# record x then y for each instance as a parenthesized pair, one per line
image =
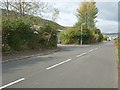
(87, 66)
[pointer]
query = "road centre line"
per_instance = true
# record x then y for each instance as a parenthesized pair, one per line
(95, 48)
(22, 79)
(58, 64)
(81, 54)
(19, 80)
(86, 52)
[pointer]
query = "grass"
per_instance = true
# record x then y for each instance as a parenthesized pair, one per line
(117, 43)
(119, 54)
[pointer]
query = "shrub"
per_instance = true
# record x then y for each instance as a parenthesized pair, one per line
(49, 35)
(16, 34)
(73, 36)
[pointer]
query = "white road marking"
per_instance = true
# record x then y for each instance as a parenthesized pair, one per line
(81, 54)
(95, 48)
(100, 46)
(19, 80)
(58, 64)
(91, 50)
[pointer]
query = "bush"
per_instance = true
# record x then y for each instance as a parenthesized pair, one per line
(73, 36)
(16, 34)
(70, 36)
(49, 35)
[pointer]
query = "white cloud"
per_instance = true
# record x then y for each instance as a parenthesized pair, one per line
(107, 16)
(108, 10)
(76, 0)
(66, 19)
(107, 26)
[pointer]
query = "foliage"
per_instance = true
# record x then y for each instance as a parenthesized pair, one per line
(18, 21)
(119, 55)
(34, 20)
(117, 44)
(70, 36)
(18, 35)
(73, 36)
(49, 32)
(105, 37)
(86, 15)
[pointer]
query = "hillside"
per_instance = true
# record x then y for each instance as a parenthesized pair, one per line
(31, 19)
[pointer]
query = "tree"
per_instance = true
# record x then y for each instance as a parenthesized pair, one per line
(6, 4)
(87, 13)
(55, 14)
(54, 18)
(92, 15)
(23, 7)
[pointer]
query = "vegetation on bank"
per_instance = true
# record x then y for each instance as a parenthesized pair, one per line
(21, 30)
(119, 54)
(118, 47)
(18, 35)
(117, 44)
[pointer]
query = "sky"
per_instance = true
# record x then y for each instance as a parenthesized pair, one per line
(107, 18)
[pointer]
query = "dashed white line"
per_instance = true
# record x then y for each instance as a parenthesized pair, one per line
(91, 50)
(19, 80)
(81, 54)
(100, 46)
(58, 64)
(95, 48)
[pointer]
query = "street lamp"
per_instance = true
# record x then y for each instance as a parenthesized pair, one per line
(81, 32)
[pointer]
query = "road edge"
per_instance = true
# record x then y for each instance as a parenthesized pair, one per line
(30, 56)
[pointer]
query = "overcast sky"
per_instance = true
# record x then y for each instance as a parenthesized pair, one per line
(107, 19)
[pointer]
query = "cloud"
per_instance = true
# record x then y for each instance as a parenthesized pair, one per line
(107, 26)
(67, 15)
(66, 19)
(67, 7)
(75, 0)
(108, 10)
(107, 16)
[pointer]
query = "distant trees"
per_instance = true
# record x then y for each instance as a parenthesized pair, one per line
(86, 14)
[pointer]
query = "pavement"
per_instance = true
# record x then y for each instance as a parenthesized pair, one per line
(87, 66)
(22, 55)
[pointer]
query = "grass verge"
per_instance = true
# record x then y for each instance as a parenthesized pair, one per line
(119, 55)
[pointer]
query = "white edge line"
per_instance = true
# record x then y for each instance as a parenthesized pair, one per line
(19, 80)
(58, 64)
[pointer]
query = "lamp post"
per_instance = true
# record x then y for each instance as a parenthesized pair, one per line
(81, 33)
